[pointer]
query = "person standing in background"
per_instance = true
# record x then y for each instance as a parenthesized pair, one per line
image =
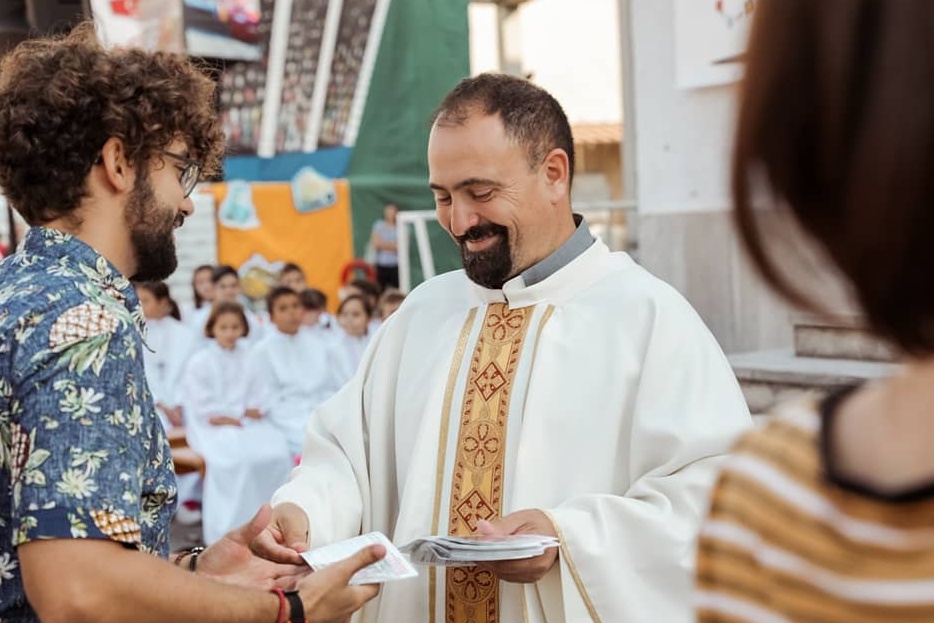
(383, 240)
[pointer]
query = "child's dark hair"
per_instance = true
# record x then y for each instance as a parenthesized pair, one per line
(222, 271)
(277, 293)
(160, 290)
(291, 267)
(313, 299)
(369, 288)
(226, 307)
(390, 296)
(199, 300)
(363, 301)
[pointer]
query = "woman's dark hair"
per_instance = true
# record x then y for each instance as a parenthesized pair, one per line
(225, 307)
(160, 290)
(199, 300)
(837, 122)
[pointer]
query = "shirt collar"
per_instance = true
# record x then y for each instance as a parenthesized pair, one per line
(56, 244)
(579, 242)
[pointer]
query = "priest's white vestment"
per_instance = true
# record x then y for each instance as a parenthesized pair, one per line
(596, 395)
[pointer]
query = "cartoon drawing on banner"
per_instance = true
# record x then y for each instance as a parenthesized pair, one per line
(257, 277)
(238, 211)
(312, 191)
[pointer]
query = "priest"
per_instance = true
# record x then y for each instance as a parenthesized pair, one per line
(551, 387)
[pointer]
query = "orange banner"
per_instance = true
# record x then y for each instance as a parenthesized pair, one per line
(260, 227)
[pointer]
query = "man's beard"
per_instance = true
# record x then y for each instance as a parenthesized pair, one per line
(492, 267)
(151, 233)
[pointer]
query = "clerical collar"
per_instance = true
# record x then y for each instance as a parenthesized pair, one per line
(579, 242)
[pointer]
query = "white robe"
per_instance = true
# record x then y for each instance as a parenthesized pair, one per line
(621, 404)
(169, 345)
(349, 351)
(244, 464)
(295, 373)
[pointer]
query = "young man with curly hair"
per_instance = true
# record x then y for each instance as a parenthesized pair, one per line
(99, 152)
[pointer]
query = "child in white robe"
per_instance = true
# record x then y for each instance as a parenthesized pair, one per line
(247, 457)
(226, 288)
(353, 316)
(316, 318)
(202, 295)
(295, 368)
(169, 345)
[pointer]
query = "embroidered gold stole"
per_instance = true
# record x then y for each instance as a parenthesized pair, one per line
(472, 595)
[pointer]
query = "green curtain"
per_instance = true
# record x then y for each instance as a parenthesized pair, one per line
(423, 53)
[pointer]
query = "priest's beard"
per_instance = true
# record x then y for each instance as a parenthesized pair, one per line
(151, 226)
(492, 267)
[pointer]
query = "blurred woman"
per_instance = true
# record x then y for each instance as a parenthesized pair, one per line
(828, 513)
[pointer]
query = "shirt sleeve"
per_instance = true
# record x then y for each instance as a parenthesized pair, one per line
(78, 434)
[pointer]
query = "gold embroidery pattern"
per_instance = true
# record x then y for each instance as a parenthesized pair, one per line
(472, 595)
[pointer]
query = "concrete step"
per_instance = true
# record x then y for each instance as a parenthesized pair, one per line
(771, 377)
(842, 337)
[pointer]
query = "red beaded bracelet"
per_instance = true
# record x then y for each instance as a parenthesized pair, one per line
(283, 605)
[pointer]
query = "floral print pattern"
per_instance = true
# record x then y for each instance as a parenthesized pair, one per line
(82, 451)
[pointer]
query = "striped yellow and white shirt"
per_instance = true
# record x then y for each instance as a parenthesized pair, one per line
(788, 541)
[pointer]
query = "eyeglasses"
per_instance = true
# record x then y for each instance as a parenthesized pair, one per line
(190, 174)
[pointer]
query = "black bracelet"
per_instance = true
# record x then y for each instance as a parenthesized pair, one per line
(296, 607)
(188, 551)
(195, 552)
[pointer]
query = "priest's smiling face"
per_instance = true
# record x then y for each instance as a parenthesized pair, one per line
(504, 214)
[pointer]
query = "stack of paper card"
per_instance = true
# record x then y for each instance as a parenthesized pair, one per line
(468, 550)
(393, 566)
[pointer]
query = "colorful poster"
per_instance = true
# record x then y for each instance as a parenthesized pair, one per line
(710, 37)
(227, 29)
(243, 93)
(148, 24)
(346, 67)
(263, 225)
(303, 49)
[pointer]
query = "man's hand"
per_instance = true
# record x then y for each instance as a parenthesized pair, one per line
(285, 536)
(224, 420)
(172, 414)
(253, 414)
(327, 596)
(230, 559)
(530, 521)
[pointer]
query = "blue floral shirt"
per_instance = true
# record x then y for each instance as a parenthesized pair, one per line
(82, 452)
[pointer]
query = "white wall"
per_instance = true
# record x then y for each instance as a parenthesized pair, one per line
(484, 38)
(685, 231)
(571, 48)
(683, 136)
(196, 243)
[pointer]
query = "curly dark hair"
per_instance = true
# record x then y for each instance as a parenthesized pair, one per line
(530, 115)
(62, 98)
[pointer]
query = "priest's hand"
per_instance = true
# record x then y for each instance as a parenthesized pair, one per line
(284, 536)
(253, 414)
(224, 420)
(230, 559)
(529, 521)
